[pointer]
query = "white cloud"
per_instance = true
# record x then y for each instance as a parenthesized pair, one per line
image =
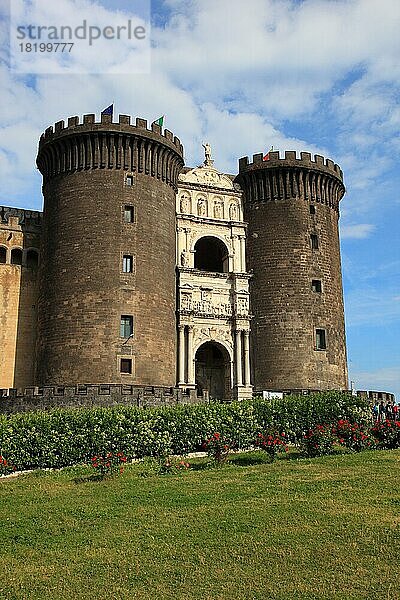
(358, 231)
(236, 74)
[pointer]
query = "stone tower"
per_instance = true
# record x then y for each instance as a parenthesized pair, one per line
(106, 309)
(292, 208)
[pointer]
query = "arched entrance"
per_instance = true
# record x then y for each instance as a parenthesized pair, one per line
(213, 371)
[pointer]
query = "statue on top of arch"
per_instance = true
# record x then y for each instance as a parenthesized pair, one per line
(207, 152)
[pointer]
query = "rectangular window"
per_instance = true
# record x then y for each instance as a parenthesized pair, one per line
(316, 285)
(312, 209)
(130, 180)
(314, 241)
(129, 214)
(126, 366)
(127, 263)
(320, 339)
(126, 327)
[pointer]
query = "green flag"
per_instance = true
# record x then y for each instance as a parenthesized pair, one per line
(160, 121)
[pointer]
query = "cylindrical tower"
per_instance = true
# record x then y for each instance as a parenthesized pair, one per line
(107, 295)
(292, 207)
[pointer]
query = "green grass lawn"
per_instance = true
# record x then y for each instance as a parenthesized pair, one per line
(320, 528)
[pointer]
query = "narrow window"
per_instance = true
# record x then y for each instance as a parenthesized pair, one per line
(126, 366)
(129, 214)
(314, 241)
(312, 209)
(16, 256)
(129, 180)
(127, 263)
(3, 255)
(316, 285)
(320, 339)
(32, 259)
(126, 326)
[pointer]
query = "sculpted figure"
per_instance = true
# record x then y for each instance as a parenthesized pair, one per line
(184, 258)
(184, 204)
(218, 210)
(207, 152)
(201, 207)
(233, 212)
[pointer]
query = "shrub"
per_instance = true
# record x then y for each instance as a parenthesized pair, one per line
(5, 467)
(174, 465)
(387, 434)
(108, 464)
(296, 415)
(271, 443)
(63, 437)
(353, 436)
(217, 447)
(317, 441)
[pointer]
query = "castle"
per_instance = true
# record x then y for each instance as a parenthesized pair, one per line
(143, 271)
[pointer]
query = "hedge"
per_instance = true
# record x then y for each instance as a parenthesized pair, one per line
(63, 437)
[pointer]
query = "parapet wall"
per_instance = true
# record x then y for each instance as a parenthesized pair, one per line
(25, 217)
(291, 159)
(30, 399)
(319, 180)
(85, 396)
(90, 124)
(107, 145)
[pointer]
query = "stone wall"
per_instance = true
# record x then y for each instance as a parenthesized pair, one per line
(19, 233)
(286, 201)
(86, 396)
(92, 172)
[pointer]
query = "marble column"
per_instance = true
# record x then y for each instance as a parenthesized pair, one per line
(238, 334)
(246, 358)
(181, 351)
(191, 374)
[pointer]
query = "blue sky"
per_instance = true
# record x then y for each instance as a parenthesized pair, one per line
(316, 75)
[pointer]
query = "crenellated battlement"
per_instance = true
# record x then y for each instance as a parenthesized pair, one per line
(31, 399)
(314, 179)
(82, 146)
(89, 124)
(291, 159)
(24, 216)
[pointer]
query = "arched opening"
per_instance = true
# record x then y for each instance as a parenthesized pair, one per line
(3, 255)
(32, 259)
(213, 372)
(16, 256)
(211, 255)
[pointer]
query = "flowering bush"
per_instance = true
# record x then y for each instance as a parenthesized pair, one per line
(387, 434)
(217, 447)
(5, 467)
(109, 464)
(272, 443)
(318, 441)
(174, 465)
(352, 435)
(61, 437)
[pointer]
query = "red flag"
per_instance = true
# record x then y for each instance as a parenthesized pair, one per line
(266, 157)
